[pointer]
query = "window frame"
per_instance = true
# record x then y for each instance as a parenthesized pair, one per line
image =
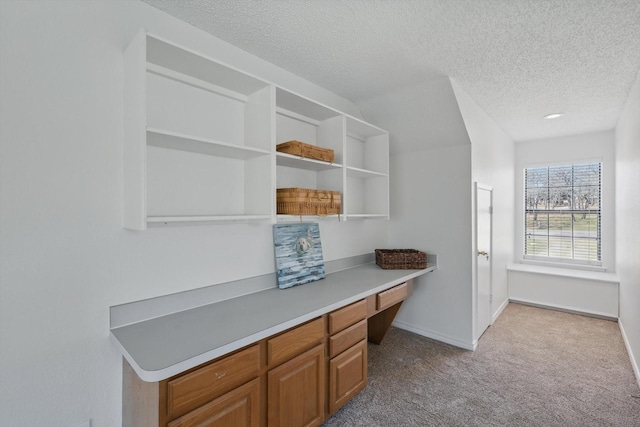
(555, 260)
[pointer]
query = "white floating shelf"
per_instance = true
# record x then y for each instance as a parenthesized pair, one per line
(363, 173)
(176, 141)
(292, 161)
(306, 218)
(365, 216)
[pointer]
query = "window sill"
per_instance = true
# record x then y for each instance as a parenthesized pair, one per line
(601, 276)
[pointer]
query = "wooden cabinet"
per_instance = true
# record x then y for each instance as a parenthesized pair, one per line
(347, 375)
(296, 391)
(200, 138)
(347, 353)
(296, 378)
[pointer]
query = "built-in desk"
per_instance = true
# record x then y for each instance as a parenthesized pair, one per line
(167, 345)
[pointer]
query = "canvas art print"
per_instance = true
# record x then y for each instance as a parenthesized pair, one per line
(298, 254)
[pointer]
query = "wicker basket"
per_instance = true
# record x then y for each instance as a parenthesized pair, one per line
(309, 151)
(305, 201)
(401, 259)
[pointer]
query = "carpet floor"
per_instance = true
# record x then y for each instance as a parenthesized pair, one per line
(532, 367)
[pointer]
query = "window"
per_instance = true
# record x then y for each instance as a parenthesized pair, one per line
(562, 213)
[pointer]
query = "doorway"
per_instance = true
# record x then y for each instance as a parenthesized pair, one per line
(483, 259)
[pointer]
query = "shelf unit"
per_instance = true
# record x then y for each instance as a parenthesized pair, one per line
(200, 142)
(367, 171)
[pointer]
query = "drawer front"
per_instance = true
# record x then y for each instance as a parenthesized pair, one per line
(347, 316)
(239, 407)
(290, 344)
(345, 339)
(189, 391)
(392, 296)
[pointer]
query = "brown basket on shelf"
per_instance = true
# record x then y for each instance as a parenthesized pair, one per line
(298, 148)
(306, 201)
(401, 259)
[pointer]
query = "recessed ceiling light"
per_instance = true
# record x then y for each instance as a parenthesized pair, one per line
(553, 116)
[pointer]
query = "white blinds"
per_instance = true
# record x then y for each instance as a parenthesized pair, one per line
(562, 212)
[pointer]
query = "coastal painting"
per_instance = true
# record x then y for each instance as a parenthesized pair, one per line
(298, 254)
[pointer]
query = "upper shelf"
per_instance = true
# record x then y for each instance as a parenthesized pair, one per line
(303, 106)
(360, 129)
(200, 67)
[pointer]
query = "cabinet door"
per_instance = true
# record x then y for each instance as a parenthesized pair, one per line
(238, 408)
(347, 375)
(296, 391)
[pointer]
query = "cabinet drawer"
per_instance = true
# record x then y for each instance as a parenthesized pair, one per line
(345, 339)
(392, 296)
(239, 407)
(189, 391)
(347, 316)
(290, 344)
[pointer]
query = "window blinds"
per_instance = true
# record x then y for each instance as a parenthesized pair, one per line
(562, 212)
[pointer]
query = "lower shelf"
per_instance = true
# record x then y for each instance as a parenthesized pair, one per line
(165, 220)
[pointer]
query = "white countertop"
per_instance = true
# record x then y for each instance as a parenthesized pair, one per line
(165, 346)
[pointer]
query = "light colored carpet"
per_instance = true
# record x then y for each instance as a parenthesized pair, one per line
(532, 367)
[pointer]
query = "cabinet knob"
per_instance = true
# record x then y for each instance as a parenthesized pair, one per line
(220, 375)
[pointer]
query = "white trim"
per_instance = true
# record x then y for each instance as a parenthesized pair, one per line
(504, 305)
(562, 263)
(436, 336)
(564, 309)
(632, 358)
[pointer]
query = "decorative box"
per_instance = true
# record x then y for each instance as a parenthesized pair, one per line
(306, 201)
(401, 259)
(309, 151)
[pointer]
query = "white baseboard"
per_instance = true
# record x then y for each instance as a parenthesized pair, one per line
(498, 312)
(563, 308)
(436, 336)
(632, 358)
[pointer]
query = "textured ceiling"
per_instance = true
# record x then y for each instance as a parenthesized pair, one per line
(518, 59)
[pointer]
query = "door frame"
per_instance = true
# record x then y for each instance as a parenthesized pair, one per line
(474, 257)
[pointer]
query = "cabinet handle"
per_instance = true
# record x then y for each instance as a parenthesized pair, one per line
(220, 375)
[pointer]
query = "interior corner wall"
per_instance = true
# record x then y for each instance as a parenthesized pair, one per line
(492, 158)
(431, 211)
(65, 258)
(430, 175)
(627, 148)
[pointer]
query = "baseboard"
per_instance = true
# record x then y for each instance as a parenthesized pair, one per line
(564, 309)
(504, 305)
(632, 358)
(435, 336)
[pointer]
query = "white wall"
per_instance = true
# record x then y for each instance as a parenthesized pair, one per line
(64, 256)
(492, 157)
(627, 142)
(432, 212)
(431, 203)
(574, 291)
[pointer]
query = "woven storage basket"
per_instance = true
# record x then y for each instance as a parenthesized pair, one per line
(305, 201)
(309, 151)
(401, 259)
